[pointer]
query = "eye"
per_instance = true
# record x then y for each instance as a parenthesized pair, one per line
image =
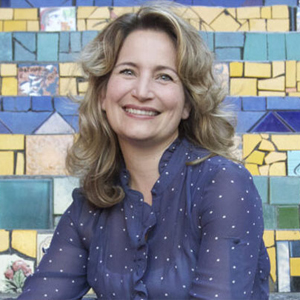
(127, 72)
(165, 77)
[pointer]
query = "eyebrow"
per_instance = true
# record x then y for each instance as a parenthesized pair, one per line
(158, 68)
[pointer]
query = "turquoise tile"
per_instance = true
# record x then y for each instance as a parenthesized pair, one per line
(288, 217)
(255, 46)
(247, 119)
(262, 185)
(208, 38)
(292, 46)
(270, 218)
(47, 47)
(26, 203)
(284, 190)
(293, 158)
(276, 46)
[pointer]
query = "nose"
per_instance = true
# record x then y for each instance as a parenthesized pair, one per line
(142, 89)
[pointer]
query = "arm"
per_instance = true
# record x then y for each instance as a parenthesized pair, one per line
(231, 235)
(62, 271)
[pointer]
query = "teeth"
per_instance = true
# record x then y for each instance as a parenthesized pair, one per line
(141, 112)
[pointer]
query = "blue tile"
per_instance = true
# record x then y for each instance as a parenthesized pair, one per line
(65, 106)
(22, 54)
(270, 123)
(229, 39)
(255, 46)
(286, 103)
(234, 102)
(19, 4)
(292, 118)
(228, 54)
(75, 38)
(254, 103)
(281, 2)
(47, 47)
(52, 3)
(246, 120)
(276, 46)
(123, 2)
(64, 57)
(184, 2)
(73, 121)
(228, 3)
(6, 46)
(4, 129)
(27, 39)
(292, 46)
(262, 185)
(25, 204)
(42, 103)
(106, 3)
(295, 248)
(208, 38)
(293, 160)
(23, 123)
(84, 2)
(284, 190)
(64, 43)
(87, 36)
(16, 103)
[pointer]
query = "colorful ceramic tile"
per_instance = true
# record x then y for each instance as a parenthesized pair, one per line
(295, 284)
(270, 221)
(13, 272)
(250, 141)
(43, 243)
(4, 240)
(286, 142)
(295, 266)
(288, 217)
(38, 80)
(291, 118)
(283, 267)
(287, 235)
(271, 123)
(295, 248)
(293, 163)
(58, 18)
(46, 154)
(24, 241)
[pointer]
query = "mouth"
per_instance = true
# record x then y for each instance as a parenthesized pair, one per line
(141, 112)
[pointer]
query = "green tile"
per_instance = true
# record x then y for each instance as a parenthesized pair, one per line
(262, 185)
(269, 216)
(26, 203)
(285, 190)
(288, 217)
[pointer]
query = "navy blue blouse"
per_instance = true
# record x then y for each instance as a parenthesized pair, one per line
(200, 239)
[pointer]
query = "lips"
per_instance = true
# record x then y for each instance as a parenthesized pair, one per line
(141, 112)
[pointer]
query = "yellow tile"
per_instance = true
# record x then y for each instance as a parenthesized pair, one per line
(265, 136)
(286, 142)
(14, 26)
(287, 235)
(250, 141)
(225, 22)
(268, 93)
(280, 12)
(277, 169)
(8, 70)
(96, 24)
(290, 76)
(6, 163)
(11, 142)
(249, 12)
(6, 13)
(4, 240)
(83, 12)
(272, 257)
(266, 145)
(298, 70)
(9, 86)
(188, 14)
(243, 87)
(69, 69)
(24, 241)
(1, 26)
(82, 87)
(195, 23)
(259, 70)
(252, 168)
(208, 14)
(264, 170)
(278, 68)
(20, 164)
(232, 12)
(245, 26)
(236, 69)
(269, 238)
(278, 25)
(81, 26)
(295, 94)
(33, 26)
(295, 266)
(25, 14)
(256, 157)
(67, 86)
(205, 27)
(100, 13)
(120, 10)
(257, 25)
(274, 157)
(273, 84)
(266, 12)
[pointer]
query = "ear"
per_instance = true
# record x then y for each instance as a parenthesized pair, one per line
(186, 110)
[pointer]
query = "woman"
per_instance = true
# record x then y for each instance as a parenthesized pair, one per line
(163, 213)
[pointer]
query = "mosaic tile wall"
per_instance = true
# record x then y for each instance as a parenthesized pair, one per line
(256, 44)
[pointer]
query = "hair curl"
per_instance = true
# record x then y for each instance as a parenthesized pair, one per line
(95, 155)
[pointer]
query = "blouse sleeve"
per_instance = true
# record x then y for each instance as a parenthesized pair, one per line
(231, 225)
(62, 270)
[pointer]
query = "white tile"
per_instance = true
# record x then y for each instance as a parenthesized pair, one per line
(283, 266)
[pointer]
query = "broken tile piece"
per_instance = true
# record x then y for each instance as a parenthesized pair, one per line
(278, 68)
(264, 170)
(250, 141)
(266, 145)
(273, 84)
(252, 168)
(256, 157)
(274, 157)
(20, 164)
(277, 169)
(24, 241)
(225, 22)
(43, 243)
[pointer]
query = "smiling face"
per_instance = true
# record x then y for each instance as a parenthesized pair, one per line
(144, 99)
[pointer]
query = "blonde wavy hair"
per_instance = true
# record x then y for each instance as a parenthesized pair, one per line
(95, 155)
